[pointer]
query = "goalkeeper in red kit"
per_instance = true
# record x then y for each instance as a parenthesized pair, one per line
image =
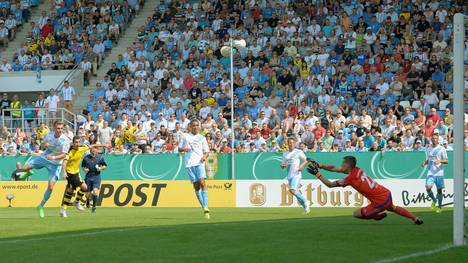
(379, 196)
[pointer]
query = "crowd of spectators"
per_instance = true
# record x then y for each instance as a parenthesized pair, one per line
(348, 75)
(13, 14)
(74, 32)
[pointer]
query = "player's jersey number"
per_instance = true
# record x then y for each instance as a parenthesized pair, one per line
(370, 182)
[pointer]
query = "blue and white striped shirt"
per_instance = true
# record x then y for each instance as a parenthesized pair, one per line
(68, 93)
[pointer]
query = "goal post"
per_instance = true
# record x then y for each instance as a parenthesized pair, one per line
(459, 229)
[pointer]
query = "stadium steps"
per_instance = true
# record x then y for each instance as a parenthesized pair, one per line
(23, 31)
(125, 41)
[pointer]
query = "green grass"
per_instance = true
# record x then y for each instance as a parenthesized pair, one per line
(232, 235)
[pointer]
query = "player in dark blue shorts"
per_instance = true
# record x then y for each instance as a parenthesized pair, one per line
(93, 164)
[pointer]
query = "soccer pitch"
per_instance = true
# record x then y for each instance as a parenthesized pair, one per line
(231, 235)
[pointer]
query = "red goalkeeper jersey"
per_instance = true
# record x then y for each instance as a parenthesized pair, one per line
(365, 185)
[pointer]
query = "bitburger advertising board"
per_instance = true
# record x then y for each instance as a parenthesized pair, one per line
(274, 193)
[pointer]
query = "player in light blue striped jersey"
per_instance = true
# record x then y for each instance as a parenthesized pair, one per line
(436, 158)
(196, 150)
(292, 161)
(57, 146)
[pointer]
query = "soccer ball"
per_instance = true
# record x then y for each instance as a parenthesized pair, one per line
(308, 138)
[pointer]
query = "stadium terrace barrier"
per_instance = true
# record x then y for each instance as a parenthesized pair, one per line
(249, 166)
(27, 123)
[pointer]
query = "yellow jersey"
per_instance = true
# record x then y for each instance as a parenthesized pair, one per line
(74, 158)
(129, 134)
(32, 47)
(210, 101)
(41, 133)
(118, 140)
(48, 40)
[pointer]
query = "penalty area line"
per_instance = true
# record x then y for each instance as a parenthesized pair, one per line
(417, 254)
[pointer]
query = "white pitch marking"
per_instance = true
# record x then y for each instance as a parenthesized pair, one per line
(417, 254)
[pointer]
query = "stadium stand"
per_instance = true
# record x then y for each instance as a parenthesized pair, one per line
(73, 33)
(340, 76)
(13, 15)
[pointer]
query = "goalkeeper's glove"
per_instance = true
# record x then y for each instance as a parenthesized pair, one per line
(312, 161)
(313, 169)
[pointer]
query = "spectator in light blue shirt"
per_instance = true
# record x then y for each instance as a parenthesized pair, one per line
(120, 61)
(95, 112)
(108, 44)
(349, 99)
(5, 4)
(99, 91)
(241, 91)
(381, 142)
(62, 10)
(89, 104)
(438, 76)
(28, 111)
(374, 24)
(18, 14)
(267, 12)
(368, 139)
(212, 81)
(17, 66)
(246, 122)
(79, 54)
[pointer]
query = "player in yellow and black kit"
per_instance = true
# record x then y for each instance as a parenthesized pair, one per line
(71, 171)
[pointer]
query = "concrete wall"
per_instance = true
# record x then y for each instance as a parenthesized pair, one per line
(26, 81)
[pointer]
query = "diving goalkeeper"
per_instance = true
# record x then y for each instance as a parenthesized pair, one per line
(379, 196)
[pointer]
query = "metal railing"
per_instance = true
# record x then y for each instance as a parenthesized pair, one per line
(69, 77)
(29, 118)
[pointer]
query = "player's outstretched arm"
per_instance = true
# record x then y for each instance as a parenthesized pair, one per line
(331, 168)
(100, 145)
(60, 156)
(313, 169)
(327, 182)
